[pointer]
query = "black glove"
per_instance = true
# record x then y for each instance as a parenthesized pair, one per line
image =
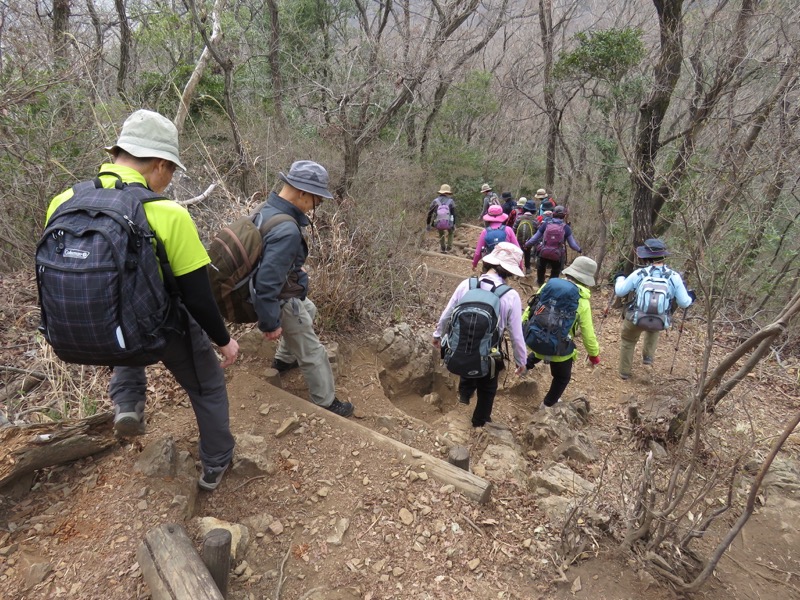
(692, 295)
(619, 274)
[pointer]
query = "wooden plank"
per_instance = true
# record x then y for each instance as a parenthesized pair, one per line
(446, 274)
(450, 256)
(172, 568)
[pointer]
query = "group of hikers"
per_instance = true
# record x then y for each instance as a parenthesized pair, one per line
(540, 230)
(124, 280)
(470, 329)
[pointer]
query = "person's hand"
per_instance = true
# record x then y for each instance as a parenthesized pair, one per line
(273, 335)
(229, 353)
(619, 274)
(521, 370)
(595, 360)
(692, 295)
(437, 342)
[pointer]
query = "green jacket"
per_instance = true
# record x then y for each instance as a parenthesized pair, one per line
(583, 324)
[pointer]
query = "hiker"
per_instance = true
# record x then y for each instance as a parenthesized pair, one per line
(281, 284)
(489, 198)
(495, 231)
(551, 238)
(508, 203)
(501, 264)
(442, 217)
(515, 213)
(145, 156)
(571, 314)
(654, 286)
(546, 202)
(524, 228)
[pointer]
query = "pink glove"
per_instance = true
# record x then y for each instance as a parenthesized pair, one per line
(595, 360)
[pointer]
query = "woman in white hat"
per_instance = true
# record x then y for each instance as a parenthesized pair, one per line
(580, 274)
(501, 264)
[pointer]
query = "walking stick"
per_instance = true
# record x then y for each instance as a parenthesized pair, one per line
(605, 312)
(678, 341)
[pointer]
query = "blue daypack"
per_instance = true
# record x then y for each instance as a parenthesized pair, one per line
(470, 346)
(493, 237)
(548, 330)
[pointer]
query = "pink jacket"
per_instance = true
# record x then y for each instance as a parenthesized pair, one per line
(510, 237)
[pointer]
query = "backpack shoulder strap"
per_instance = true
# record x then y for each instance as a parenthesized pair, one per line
(502, 289)
(473, 283)
(266, 226)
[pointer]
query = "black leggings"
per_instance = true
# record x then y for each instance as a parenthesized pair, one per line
(561, 372)
(541, 268)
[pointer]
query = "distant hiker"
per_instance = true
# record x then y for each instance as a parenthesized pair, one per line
(145, 158)
(442, 217)
(508, 202)
(546, 202)
(544, 218)
(551, 250)
(281, 285)
(471, 328)
(495, 232)
(559, 311)
(524, 228)
(489, 198)
(654, 286)
(516, 212)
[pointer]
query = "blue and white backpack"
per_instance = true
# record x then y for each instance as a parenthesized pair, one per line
(650, 309)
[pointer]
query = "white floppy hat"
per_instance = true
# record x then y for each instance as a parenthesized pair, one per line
(540, 193)
(583, 270)
(506, 255)
(486, 188)
(445, 189)
(147, 134)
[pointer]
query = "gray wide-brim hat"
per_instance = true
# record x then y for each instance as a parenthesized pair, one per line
(583, 270)
(652, 248)
(308, 176)
(147, 134)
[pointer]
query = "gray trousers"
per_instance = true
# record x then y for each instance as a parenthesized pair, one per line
(194, 364)
(299, 342)
(630, 337)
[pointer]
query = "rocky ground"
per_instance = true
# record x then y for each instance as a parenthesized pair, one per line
(325, 509)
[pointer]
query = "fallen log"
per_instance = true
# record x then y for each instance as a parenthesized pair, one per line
(172, 568)
(440, 255)
(28, 448)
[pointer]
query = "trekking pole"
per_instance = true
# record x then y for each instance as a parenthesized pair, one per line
(606, 311)
(678, 341)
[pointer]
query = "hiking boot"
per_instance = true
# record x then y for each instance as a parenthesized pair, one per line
(211, 477)
(624, 376)
(527, 271)
(343, 409)
(463, 399)
(647, 360)
(443, 251)
(448, 249)
(281, 366)
(129, 419)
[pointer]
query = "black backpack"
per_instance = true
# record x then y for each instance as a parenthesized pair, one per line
(102, 299)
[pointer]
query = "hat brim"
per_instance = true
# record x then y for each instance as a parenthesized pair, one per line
(305, 186)
(142, 152)
(583, 278)
(507, 265)
(444, 192)
(645, 252)
(498, 219)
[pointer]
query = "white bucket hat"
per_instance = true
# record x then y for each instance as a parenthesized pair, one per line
(583, 270)
(147, 134)
(540, 193)
(445, 189)
(486, 188)
(506, 255)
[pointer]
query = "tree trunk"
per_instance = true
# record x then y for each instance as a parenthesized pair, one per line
(61, 13)
(97, 52)
(124, 48)
(546, 26)
(652, 112)
(275, 63)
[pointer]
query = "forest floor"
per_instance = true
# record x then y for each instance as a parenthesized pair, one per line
(74, 532)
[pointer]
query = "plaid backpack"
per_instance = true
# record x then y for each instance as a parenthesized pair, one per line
(101, 296)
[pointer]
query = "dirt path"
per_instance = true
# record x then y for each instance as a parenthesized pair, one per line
(335, 516)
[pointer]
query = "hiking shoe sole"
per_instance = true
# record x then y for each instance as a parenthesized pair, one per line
(647, 360)
(129, 424)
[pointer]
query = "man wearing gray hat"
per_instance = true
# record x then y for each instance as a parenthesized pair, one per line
(654, 287)
(280, 294)
(146, 155)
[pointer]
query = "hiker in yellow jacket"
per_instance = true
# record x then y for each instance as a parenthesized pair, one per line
(580, 274)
